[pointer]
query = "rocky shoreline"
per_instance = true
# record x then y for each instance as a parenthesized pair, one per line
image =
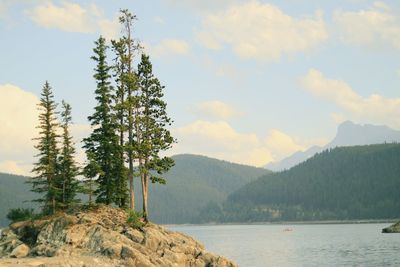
(394, 228)
(100, 237)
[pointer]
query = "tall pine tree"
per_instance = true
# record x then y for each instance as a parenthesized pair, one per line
(45, 182)
(131, 104)
(102, 145)
(120, 72)
(155, 137)
(68, 169)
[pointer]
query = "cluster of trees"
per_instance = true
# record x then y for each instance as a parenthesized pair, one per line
(129, 127)
(360, 182)
(56, 170)
(192, 183)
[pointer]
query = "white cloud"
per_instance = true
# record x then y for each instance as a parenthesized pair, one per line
(281, 144)
(216, 110)
(218, 139)
(18, 120)
(13, 167)
(261, 31)
(373, 109)
(168, 47)
(203, 6)
(338, 118)
(376, 26)
(72, 17)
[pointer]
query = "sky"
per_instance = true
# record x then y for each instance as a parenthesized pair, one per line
(249, 82)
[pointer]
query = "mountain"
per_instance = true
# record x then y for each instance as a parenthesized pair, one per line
(192, 183)
(14, 193)
(348, 134)
(358, 182)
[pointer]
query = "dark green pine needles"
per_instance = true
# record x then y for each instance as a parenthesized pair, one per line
(45, 181)
(102, 146)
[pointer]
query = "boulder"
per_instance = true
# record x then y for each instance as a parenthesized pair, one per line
(20, 252)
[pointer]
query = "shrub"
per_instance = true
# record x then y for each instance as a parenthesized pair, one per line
(20, 214)
(135, 219)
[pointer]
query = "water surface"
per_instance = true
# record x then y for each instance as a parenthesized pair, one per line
(305, 245)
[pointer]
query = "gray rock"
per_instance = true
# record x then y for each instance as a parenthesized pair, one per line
(104, 234)
(20, 252)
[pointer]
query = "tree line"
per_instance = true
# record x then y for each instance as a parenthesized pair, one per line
(129, 130)
(344, 183)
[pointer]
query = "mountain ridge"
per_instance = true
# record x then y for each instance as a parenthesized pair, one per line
(348, 134)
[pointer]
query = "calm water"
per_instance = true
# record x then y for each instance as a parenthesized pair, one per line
(306, 245)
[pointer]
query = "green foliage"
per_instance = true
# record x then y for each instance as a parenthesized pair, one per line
(360, 182)
(102, 145)
(154, 122)
(20, 214)
(46, 168)
(68, 169)
(192, 183)
(135, 219)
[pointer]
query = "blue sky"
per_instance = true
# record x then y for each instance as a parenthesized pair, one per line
(246, 81)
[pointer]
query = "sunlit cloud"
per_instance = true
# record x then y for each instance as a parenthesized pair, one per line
(376, 26)
(220, 140)
(216, 110)
(167, 48)
(374, 108)
(255, 30)
(18, 120)
(72, 17)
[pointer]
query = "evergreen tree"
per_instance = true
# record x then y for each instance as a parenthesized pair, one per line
(90, 172)
(102, 144)
(131, 104)
(68, 169)
(155, 137)
(45, 181)
(120, 72)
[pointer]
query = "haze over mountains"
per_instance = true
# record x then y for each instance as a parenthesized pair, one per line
(348, 134)
(192, 183)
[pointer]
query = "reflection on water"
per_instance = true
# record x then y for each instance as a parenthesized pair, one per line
(300, 245)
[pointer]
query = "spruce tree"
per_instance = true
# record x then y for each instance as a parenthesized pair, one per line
(90, 173)
(120, 72)
(45, 181)
(155, 137)
(68, 169)
(102, 144)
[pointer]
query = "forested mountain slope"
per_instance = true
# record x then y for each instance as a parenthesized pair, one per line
(14, 193)
(192, 183)
(359, 182)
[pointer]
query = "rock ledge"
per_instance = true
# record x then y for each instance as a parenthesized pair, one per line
(100, 237)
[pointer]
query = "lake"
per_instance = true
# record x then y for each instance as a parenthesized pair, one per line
(304, 245)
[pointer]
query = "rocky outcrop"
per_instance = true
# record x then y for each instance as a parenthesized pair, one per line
(395, 228)
(100, 238)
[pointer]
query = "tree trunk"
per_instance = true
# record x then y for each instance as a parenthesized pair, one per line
(145, 197)
(131, 187)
